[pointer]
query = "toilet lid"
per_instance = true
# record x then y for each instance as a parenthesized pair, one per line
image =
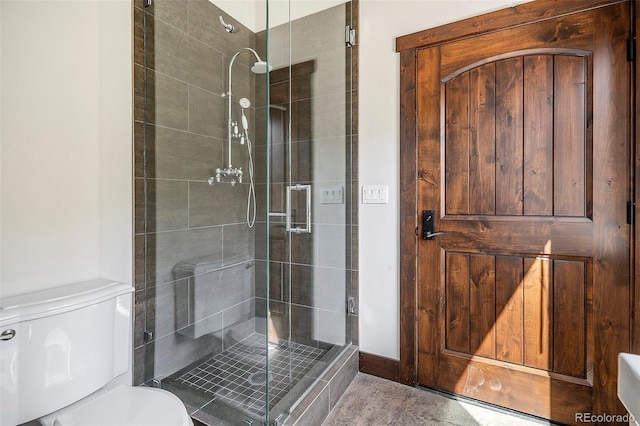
(126, 405)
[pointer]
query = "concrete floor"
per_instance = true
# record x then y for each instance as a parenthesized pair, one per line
(371, 401)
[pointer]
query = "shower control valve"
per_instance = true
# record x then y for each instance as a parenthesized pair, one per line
(235, 173)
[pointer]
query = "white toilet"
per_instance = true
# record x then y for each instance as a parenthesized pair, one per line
(64, 353)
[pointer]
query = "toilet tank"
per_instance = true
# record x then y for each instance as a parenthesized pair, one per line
(67, 342)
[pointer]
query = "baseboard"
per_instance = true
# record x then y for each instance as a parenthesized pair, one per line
(380, 366)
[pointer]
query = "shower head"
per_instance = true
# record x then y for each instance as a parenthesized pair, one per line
(261, 67)
(244, 103)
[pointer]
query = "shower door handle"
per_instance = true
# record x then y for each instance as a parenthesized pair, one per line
(297, 229)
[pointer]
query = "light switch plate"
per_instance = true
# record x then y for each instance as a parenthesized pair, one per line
(375, 194)
(332, 195)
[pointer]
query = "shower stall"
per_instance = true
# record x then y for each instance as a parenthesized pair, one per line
(245, 201)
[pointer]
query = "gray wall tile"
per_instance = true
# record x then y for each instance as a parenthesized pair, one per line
(238, 239)
(309, 34)
(207, 113)
(166, 249)
(139, 199)
(172, 154)
(139, 355)
(138, 92)
(139, 319)
(204, 26)
(166, 101)
(216, 205)
(173, 12)
(176, 54)
(166, 205)
(330, 327)
(139, 243)
(318, 287)
(138, 31)
(164, 317)
(331, 246)
(138, 148)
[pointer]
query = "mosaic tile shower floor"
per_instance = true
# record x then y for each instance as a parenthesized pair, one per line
(237, 376)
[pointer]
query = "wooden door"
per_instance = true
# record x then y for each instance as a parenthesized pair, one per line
(524, 154)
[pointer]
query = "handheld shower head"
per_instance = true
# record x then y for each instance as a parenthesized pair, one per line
(244, 103)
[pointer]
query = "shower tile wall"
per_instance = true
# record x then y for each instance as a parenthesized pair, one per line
(180, 132)
(320, 275)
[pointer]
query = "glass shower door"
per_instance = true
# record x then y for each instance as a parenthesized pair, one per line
(310, 196)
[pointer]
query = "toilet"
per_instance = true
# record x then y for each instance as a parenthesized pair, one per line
(64, 353)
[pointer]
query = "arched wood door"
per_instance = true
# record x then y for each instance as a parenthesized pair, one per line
(524, 161)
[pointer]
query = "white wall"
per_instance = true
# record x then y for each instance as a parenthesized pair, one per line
(253, 13)
(381, 21)
(66, 143)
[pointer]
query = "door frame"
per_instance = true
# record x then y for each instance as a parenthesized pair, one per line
(407, 46)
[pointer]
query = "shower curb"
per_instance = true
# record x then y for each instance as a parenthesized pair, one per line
(325, 394)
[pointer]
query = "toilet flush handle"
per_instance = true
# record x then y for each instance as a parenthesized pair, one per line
(8, 334)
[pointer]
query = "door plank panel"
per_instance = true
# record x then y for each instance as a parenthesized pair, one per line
(482, 169)
(509, 309)
(515, 388)
(538, 313)
(482, 305)
(569, 319)
(498, 21)
(457, 145)
(540, 235)
(428, 194)
(509, 150)
(457, 303)
(408, 248)
(570, 136)
(611, 177)
(575, 32)
(538, 135)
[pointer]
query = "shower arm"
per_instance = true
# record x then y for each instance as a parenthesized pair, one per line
(229, 96)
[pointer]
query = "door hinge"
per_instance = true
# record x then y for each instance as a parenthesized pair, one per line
(631, 48)
(417, 231)
(350, 36)
(631, 212)
(147, 336)
(351, 305)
